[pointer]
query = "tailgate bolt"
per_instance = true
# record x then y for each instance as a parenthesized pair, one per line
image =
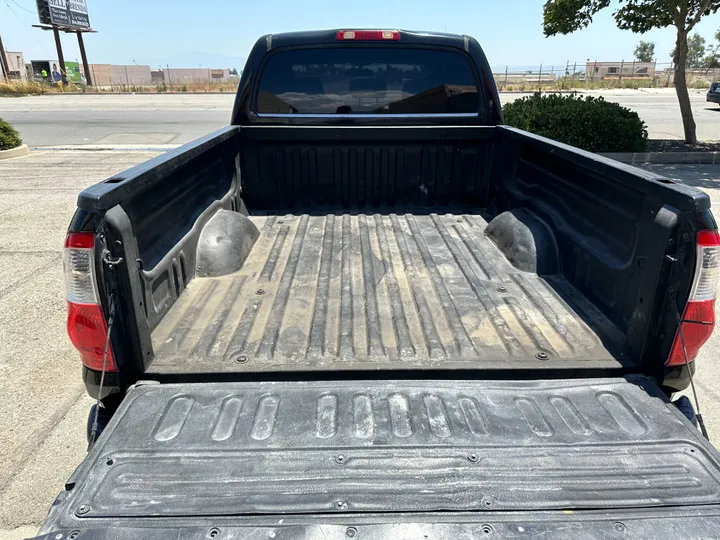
(502, 289)
(83, 509)
(473, 457)
(260, 292)
(351, 532)
(542, 356)
(620, 527)
(340, 505)
(340, 459)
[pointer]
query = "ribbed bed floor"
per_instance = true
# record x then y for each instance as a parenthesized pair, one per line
(378, 292)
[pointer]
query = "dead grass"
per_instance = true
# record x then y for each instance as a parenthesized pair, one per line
(22, 88)
(31, 88)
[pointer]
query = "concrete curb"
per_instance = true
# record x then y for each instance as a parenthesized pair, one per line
(21, 150)
(106, 148)
(666, 157)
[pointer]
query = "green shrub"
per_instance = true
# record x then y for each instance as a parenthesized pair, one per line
(589, 123)
(9, 138)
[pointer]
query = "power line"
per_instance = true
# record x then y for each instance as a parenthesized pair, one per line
(24, 8)
(27, 29)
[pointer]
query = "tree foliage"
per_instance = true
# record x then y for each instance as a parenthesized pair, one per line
(645, 51)
(639, 16)
(712, 60)
(9, 138)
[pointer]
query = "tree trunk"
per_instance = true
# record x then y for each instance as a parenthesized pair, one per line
(680, 59)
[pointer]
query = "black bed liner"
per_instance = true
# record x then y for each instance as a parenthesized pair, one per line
(218, 451)
(380, 291)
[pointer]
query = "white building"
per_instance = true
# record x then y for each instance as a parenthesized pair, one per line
(597, 71)
(16, 65)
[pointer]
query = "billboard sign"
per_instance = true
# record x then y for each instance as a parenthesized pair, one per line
(68, 13)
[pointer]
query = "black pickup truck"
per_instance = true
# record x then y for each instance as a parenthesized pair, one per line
(368, 309)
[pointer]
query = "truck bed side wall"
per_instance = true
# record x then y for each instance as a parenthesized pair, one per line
(161, 208)
(613, 225)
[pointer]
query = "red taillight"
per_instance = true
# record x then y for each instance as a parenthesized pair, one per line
(698, 320)
(88, 330)
(86, 324)
(368, 35)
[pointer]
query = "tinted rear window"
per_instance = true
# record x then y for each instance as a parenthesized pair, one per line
(373, 80)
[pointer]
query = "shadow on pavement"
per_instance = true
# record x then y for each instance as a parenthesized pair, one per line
(696, 175)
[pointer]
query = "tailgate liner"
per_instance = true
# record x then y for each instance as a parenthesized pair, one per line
(358, 292)
(249, 449)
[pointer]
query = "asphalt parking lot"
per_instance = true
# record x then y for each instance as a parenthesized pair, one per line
(44, 406)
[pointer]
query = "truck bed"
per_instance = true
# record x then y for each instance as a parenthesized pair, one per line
(392, 291)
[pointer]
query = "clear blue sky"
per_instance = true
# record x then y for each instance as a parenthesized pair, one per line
(219, 33)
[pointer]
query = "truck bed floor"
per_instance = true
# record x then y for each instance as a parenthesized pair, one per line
(348, 291)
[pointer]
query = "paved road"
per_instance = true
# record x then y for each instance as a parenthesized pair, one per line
(116, 119)
(157, 119)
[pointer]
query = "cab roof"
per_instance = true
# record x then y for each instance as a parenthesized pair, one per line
(319, 37)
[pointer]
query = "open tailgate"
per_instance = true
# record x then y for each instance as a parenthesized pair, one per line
(394, 459)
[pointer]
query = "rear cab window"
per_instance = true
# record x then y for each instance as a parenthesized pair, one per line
(368, 81)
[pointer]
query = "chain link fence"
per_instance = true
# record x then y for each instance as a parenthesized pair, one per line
(597, 74)
(571, 75)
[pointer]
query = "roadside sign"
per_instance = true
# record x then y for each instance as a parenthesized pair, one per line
(73, 72)
(67, 13)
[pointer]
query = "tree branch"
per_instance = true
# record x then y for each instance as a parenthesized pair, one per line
(704, 6)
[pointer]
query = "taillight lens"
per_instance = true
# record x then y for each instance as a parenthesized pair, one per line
(86, 324)
(368, 35)
(698, 320)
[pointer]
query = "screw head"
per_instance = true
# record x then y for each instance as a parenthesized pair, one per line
(83, 509)
(351, 532)
(73, 535)
(340, 505)
(240, 359)
(502, 289)
(619, 526)
(542, 355)
(486, 529)
(260, 292)
(487, 503)
(214, 532)
(472, 456)
(340, 459)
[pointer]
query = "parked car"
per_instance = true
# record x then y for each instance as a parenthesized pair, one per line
(713, 95)
(369, 309)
